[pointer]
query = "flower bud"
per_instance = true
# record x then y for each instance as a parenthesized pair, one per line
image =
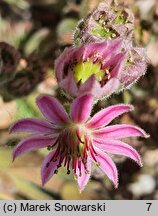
(107, 21)
(9, 59)
(135, 67)
(30, 73)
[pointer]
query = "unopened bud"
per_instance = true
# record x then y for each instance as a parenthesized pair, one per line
(107, 21)
(9, 59)
(26, 79)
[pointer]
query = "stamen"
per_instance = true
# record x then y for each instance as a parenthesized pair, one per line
(96, 57)
(93, 148)
(74, 162)
(68, 172)
(56, 172)
(56, 154)
(79, 164)
(54, 159)
(98, 164)
(68, 163)
(65, 162)
(93, 156)
(84, 161)
(113, 35)
(61, 160)
(79, 167)
(51, 146)
(106, 78)
(78, 136)
(71, 143)
(87, 172)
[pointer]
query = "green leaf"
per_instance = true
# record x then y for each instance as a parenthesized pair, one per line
(30, 190)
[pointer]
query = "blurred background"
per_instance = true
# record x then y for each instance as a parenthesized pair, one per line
(35, 32)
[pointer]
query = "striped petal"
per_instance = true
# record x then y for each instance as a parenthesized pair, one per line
(32, 125)
(105, 116)
(110, 87)
(52, 109)
(69, 84)
(91, 85)
(83, 177)
(107, 165)
(48, 167)
(81, 108)
(119, 131)
(118, 147)
(31, 143)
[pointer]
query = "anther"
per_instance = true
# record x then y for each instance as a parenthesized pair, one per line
(87, 172)
(101, 16)
(79, 138)
(49, 148)
(113, 35)
(107, 71)
(104, 23)
(98, 164)
(84, 161)
(68, 172)
(54, 159)
(56, 172)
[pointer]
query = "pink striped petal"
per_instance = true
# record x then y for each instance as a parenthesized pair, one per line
(119, 131)
(117, 59)
(92, 48)
(118, 147)
(91, 85)
(48, 167)
(119, 65)
(107, 165)
(110, 87)
(81, 108)
(31, 143)
(52, 109)
(83, 179)
(106, 115)
(113, 47)
(32, 125)
(69, 84)
(61, 61)
(136, 68)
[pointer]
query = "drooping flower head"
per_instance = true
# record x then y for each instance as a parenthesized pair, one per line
(75, 140)
(99, 68)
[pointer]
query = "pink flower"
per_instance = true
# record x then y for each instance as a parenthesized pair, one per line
(75, 140)
(100, 68)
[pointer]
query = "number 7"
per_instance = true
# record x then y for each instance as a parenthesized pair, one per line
(149, 205)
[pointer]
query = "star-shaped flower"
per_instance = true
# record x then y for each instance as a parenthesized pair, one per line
(75, 140)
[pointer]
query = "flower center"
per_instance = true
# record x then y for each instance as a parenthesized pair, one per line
(73, 147)
(83, 70)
